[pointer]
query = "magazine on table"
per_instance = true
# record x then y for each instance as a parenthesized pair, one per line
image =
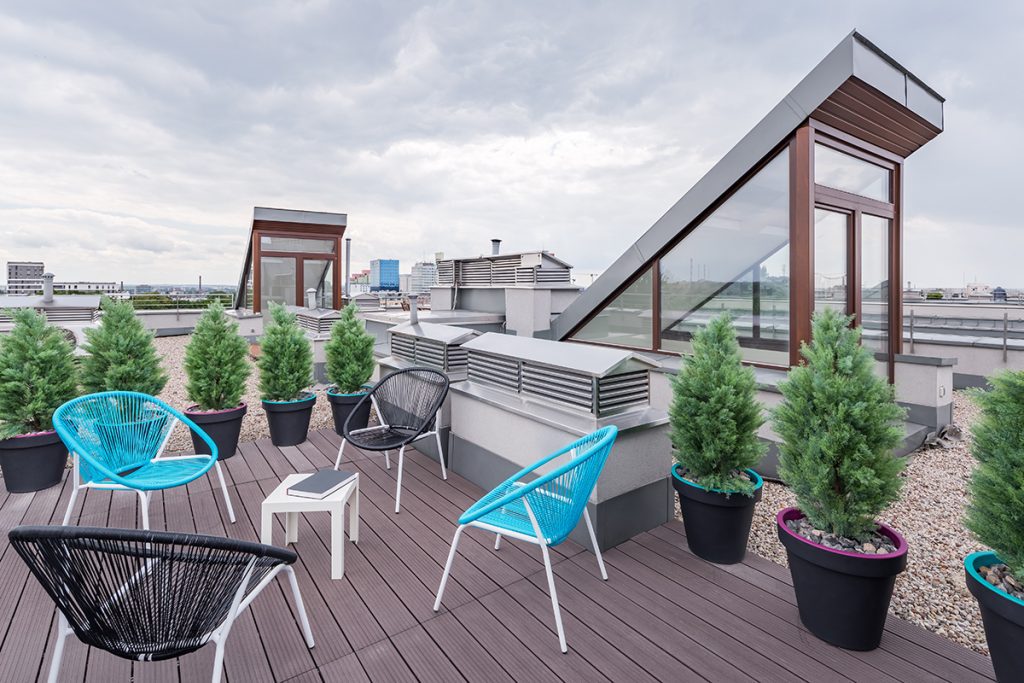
(321, 484)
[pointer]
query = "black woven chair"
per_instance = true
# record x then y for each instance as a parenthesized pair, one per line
(408, 407)
(150, 595)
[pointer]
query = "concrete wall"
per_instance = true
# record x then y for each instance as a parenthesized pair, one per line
(975, 360)
(169, 323)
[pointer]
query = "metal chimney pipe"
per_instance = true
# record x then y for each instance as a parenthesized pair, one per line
(495, 247)
(414, 314)
(348, 263)
(48, 288)
(311, 298)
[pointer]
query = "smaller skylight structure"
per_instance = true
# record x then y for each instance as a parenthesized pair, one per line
(290, 252)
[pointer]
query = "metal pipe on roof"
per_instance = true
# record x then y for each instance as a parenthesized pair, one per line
(495, 247)
(48, 288)
(348, 263)
(414, 314)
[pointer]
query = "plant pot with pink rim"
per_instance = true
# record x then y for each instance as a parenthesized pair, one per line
(838, 424)
(37, 376)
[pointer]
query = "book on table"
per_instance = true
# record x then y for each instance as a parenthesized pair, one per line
(321, 484)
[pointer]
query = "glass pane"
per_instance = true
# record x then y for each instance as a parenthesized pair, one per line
(277, 281)
(626, 321)
(296, 244)
(833, 168)
(736, 260)
(318, 274)
(830, 235)
(874, 293)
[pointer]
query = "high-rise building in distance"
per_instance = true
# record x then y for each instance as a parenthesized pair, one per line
(24, 277)
(384, 275)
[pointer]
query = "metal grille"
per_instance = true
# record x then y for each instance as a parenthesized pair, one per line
(61, 315)
(559, 385)
(458, 358)
(622, 391)
(446, 273)
(497, 272)
(403, 347)
(502, 372)
(430, 353)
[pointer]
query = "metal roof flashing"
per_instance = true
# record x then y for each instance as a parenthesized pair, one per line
(596, 361)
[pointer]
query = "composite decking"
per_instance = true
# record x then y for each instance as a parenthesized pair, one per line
(663, 615)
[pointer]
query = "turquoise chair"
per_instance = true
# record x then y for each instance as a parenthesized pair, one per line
(117, 440)
(543, 510)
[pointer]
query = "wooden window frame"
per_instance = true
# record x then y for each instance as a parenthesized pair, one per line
(308, 232)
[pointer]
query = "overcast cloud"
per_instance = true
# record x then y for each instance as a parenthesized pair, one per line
(136, 137)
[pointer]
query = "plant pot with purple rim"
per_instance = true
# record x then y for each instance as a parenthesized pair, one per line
(717, 523)
(843, 596)
(32, 462)
(342, 405)
(1003, 617)
(289, 420)
(223, 426)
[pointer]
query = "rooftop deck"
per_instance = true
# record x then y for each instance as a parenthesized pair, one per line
(663, 615)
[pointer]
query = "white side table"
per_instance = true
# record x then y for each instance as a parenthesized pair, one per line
(280, 502)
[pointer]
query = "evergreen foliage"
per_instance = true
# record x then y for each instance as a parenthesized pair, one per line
(838, 428)
(122, 356)
(286, 359)
(714, 416)
(349, 352)
(215, 361)
(37, 374)
(995, 513)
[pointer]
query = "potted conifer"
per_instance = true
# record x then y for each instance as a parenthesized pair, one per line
(350, 365)
(215, 361)
(37, 376)
(996, 516)
(713, 419)
(286, 367)
(122, 357)
(839, 425)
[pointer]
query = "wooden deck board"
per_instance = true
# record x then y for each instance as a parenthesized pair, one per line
(663, 614)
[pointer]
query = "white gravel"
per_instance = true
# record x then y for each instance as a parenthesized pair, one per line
(929, 514)
(254, 425)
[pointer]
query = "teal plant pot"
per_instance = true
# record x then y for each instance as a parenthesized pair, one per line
(717, 523)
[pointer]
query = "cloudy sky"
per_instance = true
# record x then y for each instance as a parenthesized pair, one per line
(135, 137)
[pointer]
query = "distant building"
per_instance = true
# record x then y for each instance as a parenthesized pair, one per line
(384, 275)
(999, 294)
(87, 287)
(24, 277)
(423, 277)
(404, 282)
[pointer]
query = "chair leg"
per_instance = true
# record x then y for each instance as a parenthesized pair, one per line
(218, 663)
(440, 455)
(63, 631)
(144, 507)
(71, 505)
(554, 597)
(398, 488)
(497, 541)
(593, 541)
(300, 607)
(341, 449)
(387, 460)
(448, 567)
(224, 489)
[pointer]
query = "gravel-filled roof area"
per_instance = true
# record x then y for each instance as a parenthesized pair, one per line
(929, 514)
(254, 425)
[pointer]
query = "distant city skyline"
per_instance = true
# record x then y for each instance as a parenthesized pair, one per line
(131, 153)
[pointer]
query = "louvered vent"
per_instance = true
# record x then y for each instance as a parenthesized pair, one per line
(558, 385)
(446, 273)
(552, 275)
(430, 353)
(502, 271)
(403, 347)
(458, 359)
(502, 372)
(622, 391)
(432, 345)
(61, 315)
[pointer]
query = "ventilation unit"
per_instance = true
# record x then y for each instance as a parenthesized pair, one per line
(432, 345)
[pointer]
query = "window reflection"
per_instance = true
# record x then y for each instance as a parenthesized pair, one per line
(296, 244)
(875, 281)
(626, 321)
(277, 281)
(735, 261)
(835, 169)
(830, 235)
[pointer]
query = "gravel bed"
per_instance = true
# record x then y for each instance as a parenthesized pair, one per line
(929, 514)
(254, 424)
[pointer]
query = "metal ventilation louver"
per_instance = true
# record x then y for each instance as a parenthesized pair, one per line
(432, 345)
(531, 268)
(502, 372)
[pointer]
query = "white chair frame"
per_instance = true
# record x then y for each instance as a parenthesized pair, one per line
(144, 494)
(220, 635)
(401, 451)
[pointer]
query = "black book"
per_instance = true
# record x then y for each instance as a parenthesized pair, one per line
(321, 484)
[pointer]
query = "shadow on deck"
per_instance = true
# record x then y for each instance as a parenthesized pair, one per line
(664, 614)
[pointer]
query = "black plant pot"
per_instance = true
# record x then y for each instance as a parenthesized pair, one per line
(289, 420)
(843, 596)
(717, 525)
(341, 407)
(1003, 617)
(223, 426)
(33, 462)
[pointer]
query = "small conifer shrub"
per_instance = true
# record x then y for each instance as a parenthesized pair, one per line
(838, 424)
(37, 374)
(215, 361)
(714, 416)
(122, 356)
(286, 359)
(995, 513)
(349, 353)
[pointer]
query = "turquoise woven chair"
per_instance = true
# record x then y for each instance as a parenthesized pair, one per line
(543, 510)
(117, 440)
